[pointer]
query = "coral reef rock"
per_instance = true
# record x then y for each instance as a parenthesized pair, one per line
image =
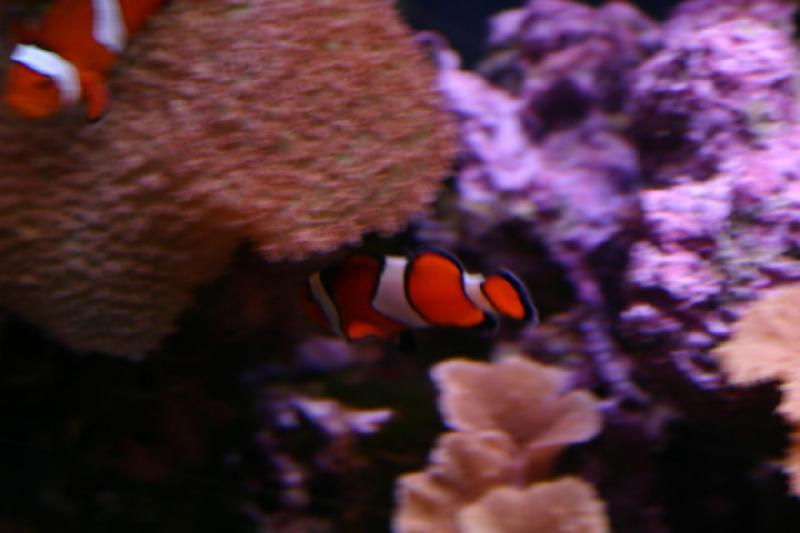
(296, 125)
(511, 420)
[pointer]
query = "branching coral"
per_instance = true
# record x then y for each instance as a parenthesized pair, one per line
(510, 419)
(765, 347)
(297, 125)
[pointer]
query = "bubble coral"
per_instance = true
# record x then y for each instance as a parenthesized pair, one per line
(297, 125)
(511, 419)
(764, 347)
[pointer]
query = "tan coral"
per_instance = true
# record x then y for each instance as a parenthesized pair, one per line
(766, 346)
(512, 418)
(463, 466)
(298, 125)
(477, 397)
(568, 505)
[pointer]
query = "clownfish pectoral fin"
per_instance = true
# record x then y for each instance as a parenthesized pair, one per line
(358, 329)
(96, 94)
(508, 296)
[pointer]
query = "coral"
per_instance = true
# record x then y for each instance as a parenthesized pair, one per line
(230, 121)
(544, 144)
(699, 14)
(337, 421)
(711, 92)
(567, 505)
(653, 170)
(715, 115)
(764, 346)
(511, 419)
(656, 167)
(309, 442)
(476, 397)
(547, 143)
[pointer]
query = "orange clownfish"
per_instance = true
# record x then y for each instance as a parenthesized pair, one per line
(66, 58)
(367, 296)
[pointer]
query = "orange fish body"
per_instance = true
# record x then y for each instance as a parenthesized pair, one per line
(67, 57)
(365, 296)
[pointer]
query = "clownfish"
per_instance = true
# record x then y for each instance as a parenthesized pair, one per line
(368, 296)
(67, 56)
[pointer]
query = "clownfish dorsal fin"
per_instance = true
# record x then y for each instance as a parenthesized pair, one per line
(96, 93)
(508, 296)
(440, 252)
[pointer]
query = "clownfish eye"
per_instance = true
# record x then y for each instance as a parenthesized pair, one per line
(41, 84)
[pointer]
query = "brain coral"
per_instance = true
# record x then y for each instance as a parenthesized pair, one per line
(297, 125)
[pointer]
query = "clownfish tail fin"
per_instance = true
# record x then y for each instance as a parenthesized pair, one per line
(509, 296)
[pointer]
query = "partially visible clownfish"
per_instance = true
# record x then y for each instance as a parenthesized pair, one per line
(65, 59)
(368, 296)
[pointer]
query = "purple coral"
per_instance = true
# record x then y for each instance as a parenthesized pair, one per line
(713, 88)
(550, 146)
(546, 142)
(656, 167)
(715, 113)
